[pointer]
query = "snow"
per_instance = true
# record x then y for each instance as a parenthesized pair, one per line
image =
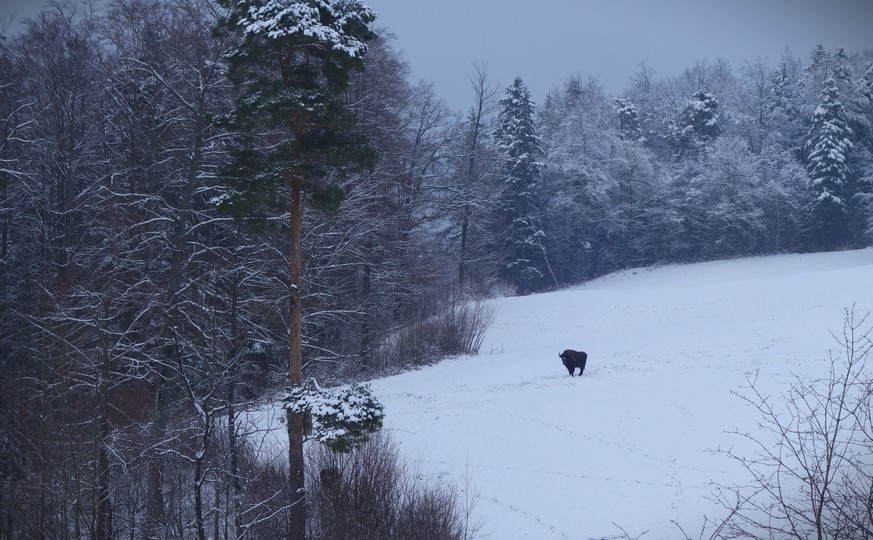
(629, 445)
(341, 416)
(280, 18)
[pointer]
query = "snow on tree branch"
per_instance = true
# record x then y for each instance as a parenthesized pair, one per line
(324, 21)
(342, 417)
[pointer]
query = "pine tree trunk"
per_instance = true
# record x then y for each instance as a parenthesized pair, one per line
(233, 448)
(462, 252)
(216, 516)
(366, 350)
(199, 523)
(104, 506)
(154, 476)
(297, 515)
(234, 499)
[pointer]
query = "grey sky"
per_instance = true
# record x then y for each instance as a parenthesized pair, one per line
(21, 8)
(546, 41)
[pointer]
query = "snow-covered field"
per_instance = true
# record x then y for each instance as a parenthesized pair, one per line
(628, 444)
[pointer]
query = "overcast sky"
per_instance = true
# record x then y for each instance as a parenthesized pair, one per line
(546, 41)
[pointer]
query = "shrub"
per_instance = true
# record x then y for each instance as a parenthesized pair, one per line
(370, 494)
(457, 330)
(811, 475)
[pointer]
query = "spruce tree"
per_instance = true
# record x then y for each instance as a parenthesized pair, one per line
(828, 146)
(863, 124)
(628, 119)
(865, 84)
(842, 71)
(698, 121)
(819, 60)
(516, 138)
(786, 120)
(783, 95)
(290, 68)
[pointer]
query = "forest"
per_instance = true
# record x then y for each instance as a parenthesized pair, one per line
(145, 274)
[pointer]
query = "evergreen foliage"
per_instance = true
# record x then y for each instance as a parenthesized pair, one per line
(866, 84)
(628, 119)
(138, 323)
(828, 149)
(342, 417)
(698, 121)
(783, 94)
(518, 142)
(291, 68)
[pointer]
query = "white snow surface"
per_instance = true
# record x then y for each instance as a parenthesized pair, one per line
(629, 445)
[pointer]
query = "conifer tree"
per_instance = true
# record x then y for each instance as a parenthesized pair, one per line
(628, 119)
(290, 69)
(842, 71)
(828, 147)
(698, 121)
(517, 140)
(785, 119)
(820, 59)
(783, 94)
(866, 84)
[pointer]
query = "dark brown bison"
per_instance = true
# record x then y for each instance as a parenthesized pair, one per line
(574, 359)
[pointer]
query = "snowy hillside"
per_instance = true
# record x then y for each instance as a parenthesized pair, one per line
(627, 445)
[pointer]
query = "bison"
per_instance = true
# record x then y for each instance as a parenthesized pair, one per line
(574, 359)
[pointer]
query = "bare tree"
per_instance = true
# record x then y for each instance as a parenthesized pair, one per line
(371, 494)
(477, 169)
(374, 264)
(55, 168)
(810, 472)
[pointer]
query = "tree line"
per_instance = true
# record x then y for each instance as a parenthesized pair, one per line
(710, 164)
(143, 296)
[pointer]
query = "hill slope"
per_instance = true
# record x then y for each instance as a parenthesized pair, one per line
(627, 445)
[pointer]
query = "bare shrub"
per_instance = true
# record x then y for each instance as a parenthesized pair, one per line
(462, 327)
(370, 494)
(812, 470)
(458, 329)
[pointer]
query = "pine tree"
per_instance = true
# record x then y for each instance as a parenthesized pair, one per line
(701, 115)
(517, 140)
(628, 119)
(828, 146)
(819, 60)
(290, 68)
(698, 122)
(842, 70)
(783, 95)
(861, 122)
(861, 114)
(865, 84)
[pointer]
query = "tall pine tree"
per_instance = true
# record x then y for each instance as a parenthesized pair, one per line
(516, 137)
(698, 122)
(290, 68)
(787, 121)
(628, 119)
(828, 147)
